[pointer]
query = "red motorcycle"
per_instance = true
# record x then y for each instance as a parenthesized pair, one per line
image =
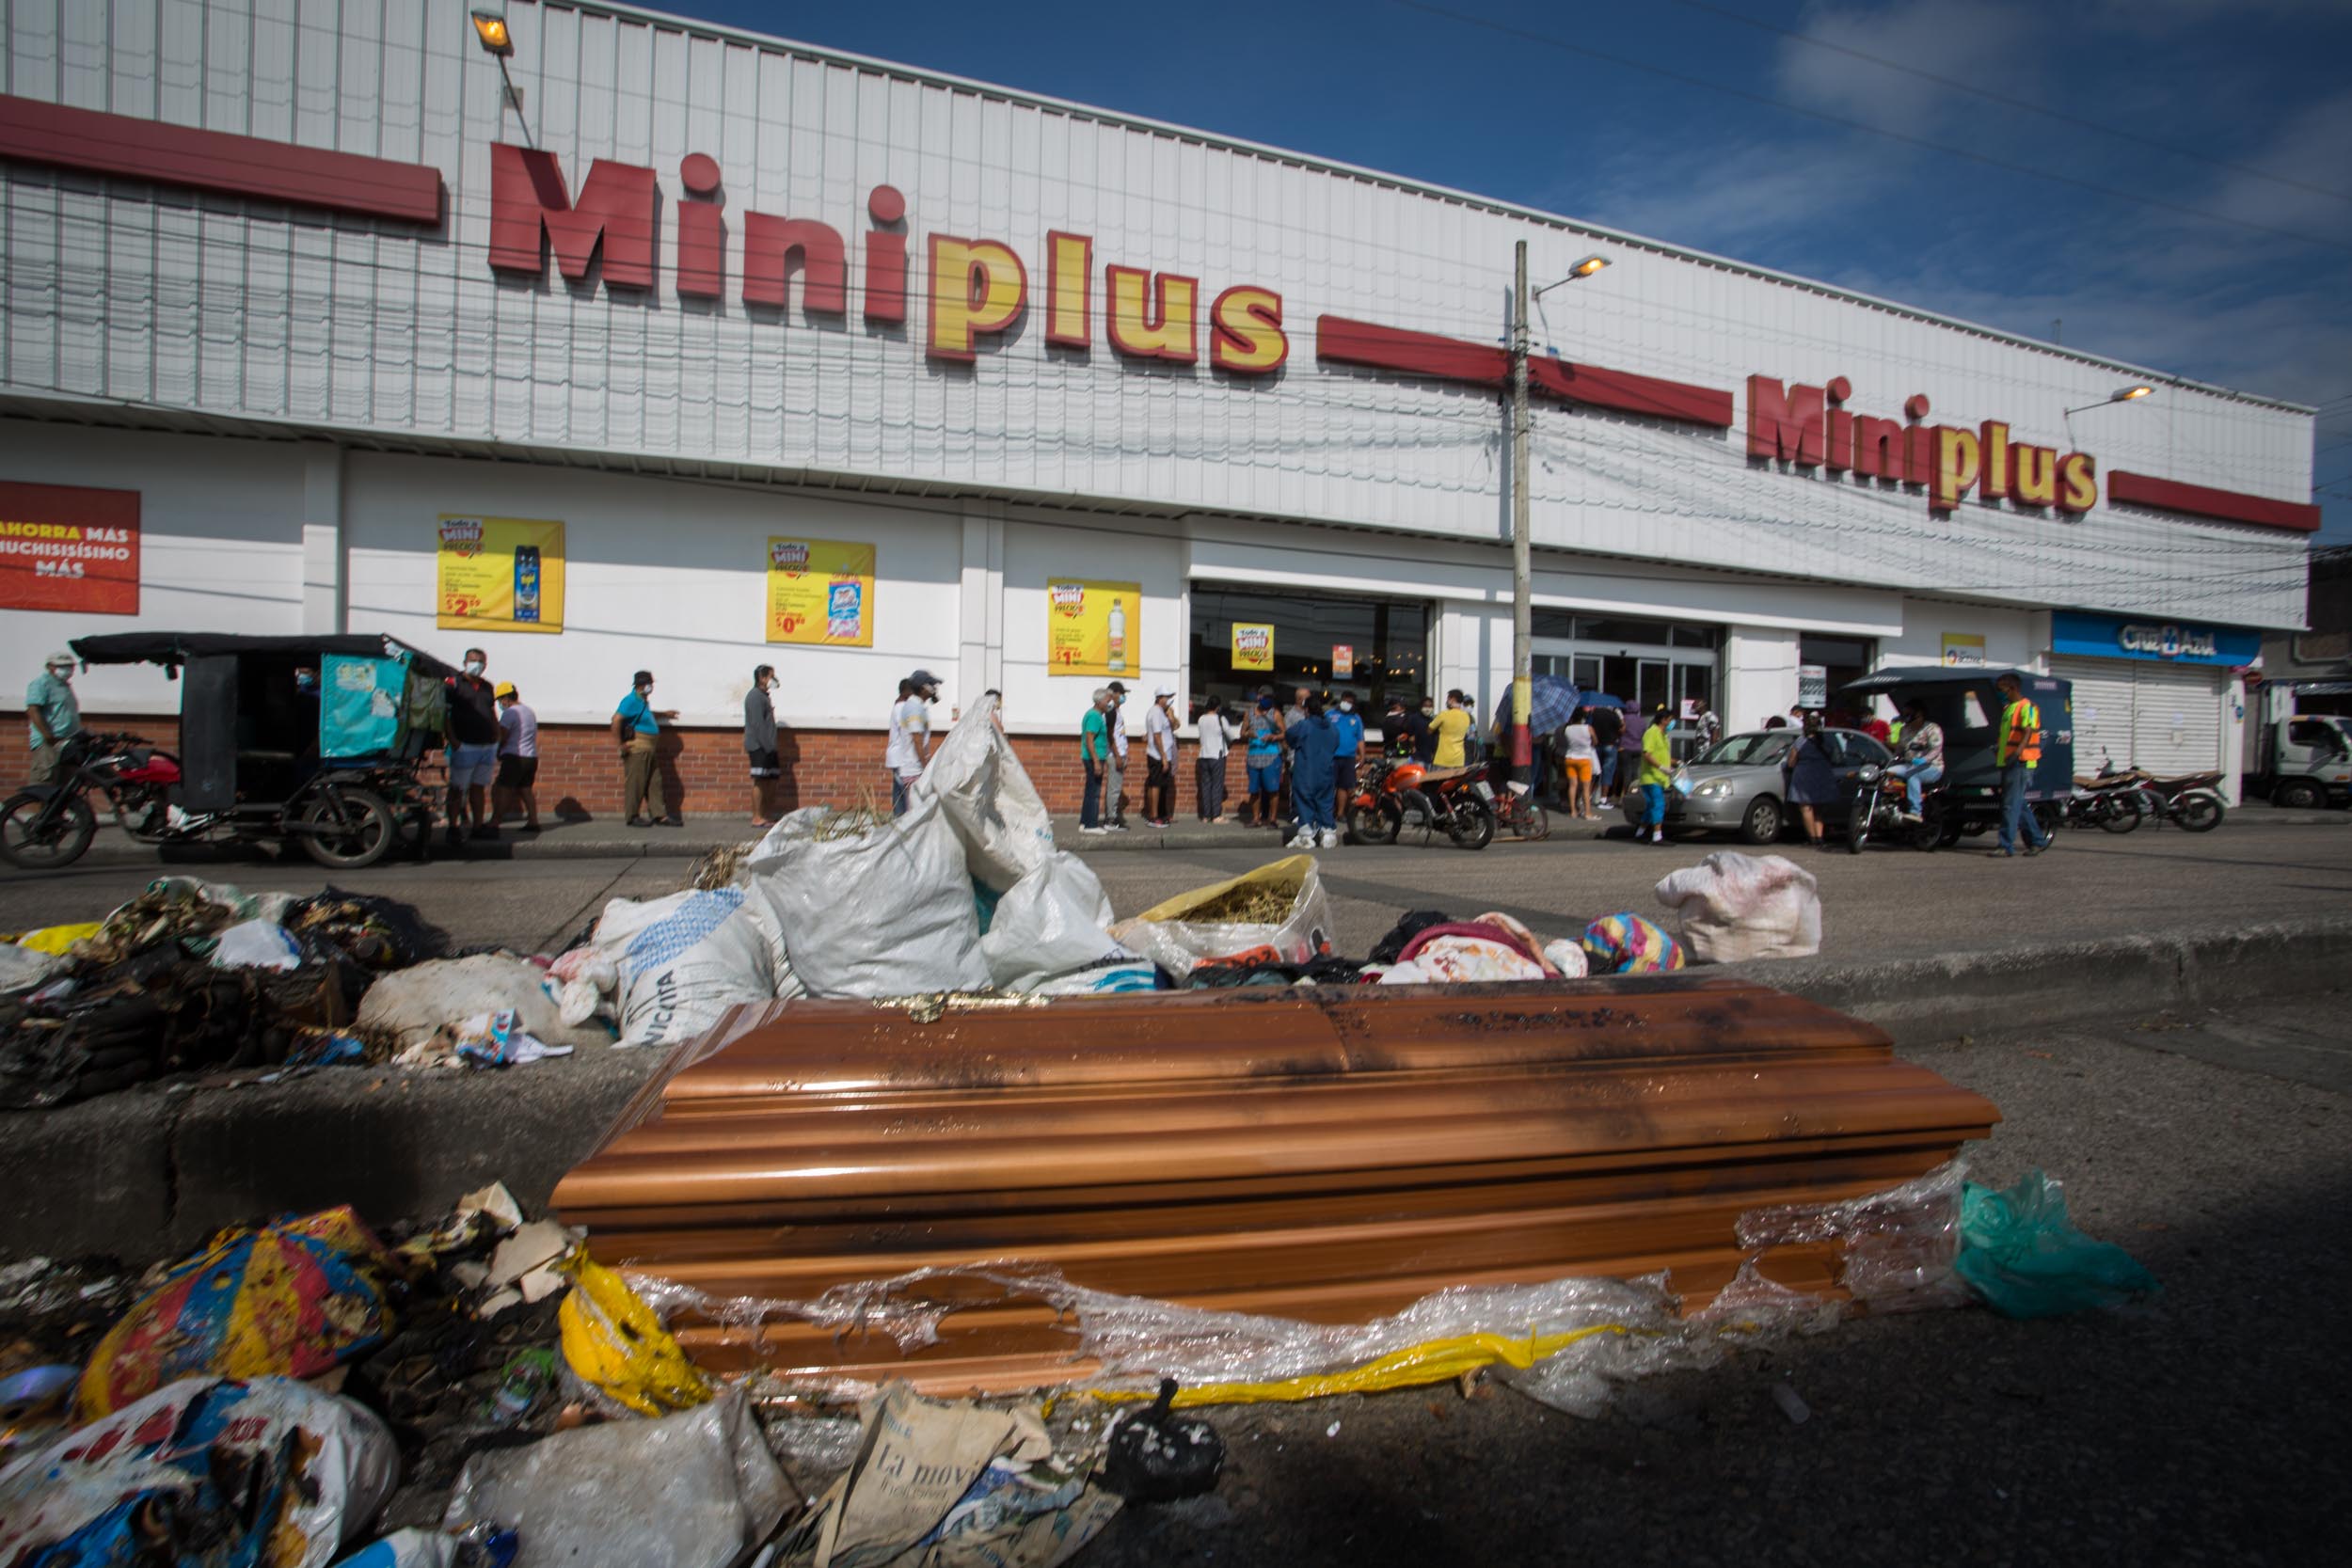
(1406, 792)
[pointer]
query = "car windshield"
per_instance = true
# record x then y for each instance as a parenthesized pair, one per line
(1750, 750)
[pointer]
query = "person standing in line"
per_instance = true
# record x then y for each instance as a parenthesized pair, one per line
(636, 722)
(1094, 758)
(1115, 783)
(1350, 724)
(1630, 753)
(1577, 737)
(1404, 733)
(1707, 721)
(1216, 743)
(1265, 763)
(1808, 777)
(515, 788)
(1657, 772)
(910, 727)
(473, 738)
(1159, 759)
(1608, 722)
(760, 744)
(1286, 809)
(1453, 725)
(54, 715)
(2018, 749)
(1315, 751)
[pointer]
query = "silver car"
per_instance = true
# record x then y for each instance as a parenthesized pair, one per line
(1734, 787)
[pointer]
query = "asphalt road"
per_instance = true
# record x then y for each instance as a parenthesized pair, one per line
(1885, 903)
(2207, 1427)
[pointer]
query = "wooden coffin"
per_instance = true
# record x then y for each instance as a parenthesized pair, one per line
(1328, 1154)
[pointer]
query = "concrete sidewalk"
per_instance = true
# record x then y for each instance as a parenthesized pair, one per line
(609, 838)
(152, 1171)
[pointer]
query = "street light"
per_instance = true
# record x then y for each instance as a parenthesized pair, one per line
(2122, 394)
(1523, 565)
(490, 26)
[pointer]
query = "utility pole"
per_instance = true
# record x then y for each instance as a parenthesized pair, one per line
(1522, 573)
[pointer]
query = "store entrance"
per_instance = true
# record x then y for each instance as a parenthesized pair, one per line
(1643, 663)
(1841, 661)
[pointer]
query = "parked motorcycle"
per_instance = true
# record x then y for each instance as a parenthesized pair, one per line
(1879, 811)
(2189, 800)
(1407, 793)
(2111, 799)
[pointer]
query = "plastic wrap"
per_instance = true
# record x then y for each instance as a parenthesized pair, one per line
(2022, 1254)
(1735, 906)
(696, 1490)
(1897, 1248)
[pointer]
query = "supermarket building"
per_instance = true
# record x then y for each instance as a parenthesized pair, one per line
(717, 351)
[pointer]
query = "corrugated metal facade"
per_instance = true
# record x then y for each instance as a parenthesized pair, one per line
(121, 291)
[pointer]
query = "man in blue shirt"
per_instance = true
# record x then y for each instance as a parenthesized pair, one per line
(56, 716)
(1350, 724)
(635, 723)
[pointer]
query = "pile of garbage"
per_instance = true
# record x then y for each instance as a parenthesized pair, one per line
(484, 1393)
(966, 893)
(194, 976)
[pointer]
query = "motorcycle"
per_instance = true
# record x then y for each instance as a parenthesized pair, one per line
(2110, 801)
(1878, 810)
(2189, 800)
(1456, 801)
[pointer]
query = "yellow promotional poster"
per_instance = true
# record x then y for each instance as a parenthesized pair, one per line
(821, 591)
(1961, 647)
(1093, 628)
(500, 574)
(1253, 645)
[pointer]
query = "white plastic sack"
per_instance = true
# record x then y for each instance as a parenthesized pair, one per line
(1566, 955)
(995, 811)
(347, 1467)
(694, 1489)
(1172, 935)
(412, 1005)
(680, 962)
(1737, 907)
(22, 968)
(1054, 921)
(884, 913)
(257, 945)
(1111, 979)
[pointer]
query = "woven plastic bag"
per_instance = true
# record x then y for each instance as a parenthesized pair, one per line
(1051, 923)
(871, 909)
(1735, 907)
(988, 801)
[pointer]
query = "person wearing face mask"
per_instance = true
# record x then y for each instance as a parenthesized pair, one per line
(471, 736)
(910, 727)
(1350, 726)
(759, 744)
(516, 789)
(55, 715)
(635, 723)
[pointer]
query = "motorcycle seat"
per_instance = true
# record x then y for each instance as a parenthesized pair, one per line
(2116, 780)
(1439, 775)
(2186, 780)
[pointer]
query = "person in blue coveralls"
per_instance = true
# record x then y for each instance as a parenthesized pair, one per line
(1350, 724)
(1315, 742)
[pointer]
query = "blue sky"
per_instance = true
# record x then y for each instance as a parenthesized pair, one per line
(2235, 268)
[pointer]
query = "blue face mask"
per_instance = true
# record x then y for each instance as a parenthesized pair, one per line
(307, 682)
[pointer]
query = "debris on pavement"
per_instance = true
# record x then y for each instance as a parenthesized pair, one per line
(1736, 906)
(408, 1008)
(871, 907)
(1279, 912)
(293, 1299)
(675, 965)
(208, 1470)
(613, 1342)
(697, 1489)
(1154, 1455)
(1624, 943)
(962, 1485)
(2020, 1253)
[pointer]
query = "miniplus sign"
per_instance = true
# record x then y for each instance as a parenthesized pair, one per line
(2167, 641)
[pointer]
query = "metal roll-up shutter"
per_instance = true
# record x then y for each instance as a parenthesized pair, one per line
(2176, 725)
(2103, 710)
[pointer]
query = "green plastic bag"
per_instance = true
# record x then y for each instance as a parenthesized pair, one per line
(2020, 1252)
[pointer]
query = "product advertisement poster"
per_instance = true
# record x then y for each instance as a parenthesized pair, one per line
(1253, 645)
(64, 547)
(501, 574)
(1961, 647)
(821, 591)
(1093, 628)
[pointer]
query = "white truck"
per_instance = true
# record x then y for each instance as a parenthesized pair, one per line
(2304, 761)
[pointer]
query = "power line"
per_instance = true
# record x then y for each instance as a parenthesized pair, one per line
(1549, 42)
(1815, 41)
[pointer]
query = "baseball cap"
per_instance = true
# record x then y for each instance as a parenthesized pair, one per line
(1120, 687)
(504, 688)
(1164, 691)
(922, 678)
(63, 656)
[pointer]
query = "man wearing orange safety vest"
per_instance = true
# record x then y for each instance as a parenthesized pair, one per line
(2019, 748)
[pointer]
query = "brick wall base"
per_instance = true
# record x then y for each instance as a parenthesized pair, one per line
(705, 772)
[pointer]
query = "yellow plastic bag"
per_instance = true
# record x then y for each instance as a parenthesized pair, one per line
(1431, 1361)
(57, 940)
(1277, 913)
(614, 1340)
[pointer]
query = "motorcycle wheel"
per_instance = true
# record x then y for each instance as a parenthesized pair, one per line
(2119, 814)
(1858, 822)
(358, 828)
(2198, 811)
(58, 842)
(1473, 826)
(1374, 824)
(1927, 835)
(2046, 814)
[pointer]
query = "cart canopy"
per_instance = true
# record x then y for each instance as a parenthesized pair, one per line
(179, 647)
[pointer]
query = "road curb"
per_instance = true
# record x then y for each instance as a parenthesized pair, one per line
(152, 1171)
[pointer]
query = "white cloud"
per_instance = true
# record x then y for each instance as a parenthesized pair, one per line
(1983, 43)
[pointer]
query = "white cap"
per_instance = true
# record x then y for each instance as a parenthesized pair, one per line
(1164, 691)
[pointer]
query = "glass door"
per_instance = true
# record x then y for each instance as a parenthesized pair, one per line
(1655, 684)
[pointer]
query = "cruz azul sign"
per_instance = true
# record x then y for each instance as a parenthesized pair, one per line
(2166, 641)
(976, 291)
(1810, 427)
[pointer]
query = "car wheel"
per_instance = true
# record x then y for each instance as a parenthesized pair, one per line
(1762, 824)
(2297, 795)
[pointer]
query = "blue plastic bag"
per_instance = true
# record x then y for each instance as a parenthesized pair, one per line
(2024, 1257)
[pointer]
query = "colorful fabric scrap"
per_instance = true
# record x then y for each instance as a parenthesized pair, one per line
(1624, 943)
